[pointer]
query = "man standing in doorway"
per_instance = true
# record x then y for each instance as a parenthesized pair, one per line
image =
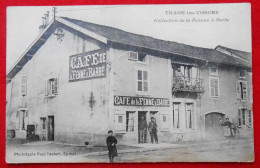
(153, 130)
(142, 130)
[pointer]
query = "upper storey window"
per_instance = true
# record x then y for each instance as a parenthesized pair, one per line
(136, 56)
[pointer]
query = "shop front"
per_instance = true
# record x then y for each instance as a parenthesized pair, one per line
(132, 114)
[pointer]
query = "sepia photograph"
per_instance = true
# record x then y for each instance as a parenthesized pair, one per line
(129, 83)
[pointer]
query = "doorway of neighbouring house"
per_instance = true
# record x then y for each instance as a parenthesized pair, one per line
(212, 127)
(142, 117)
(50, 128)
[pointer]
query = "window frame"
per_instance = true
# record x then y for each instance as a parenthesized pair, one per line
(129, 53)
(239, 74)
(239, 96)
(50, 84)
(127, 121)
(137, 80)
(24, 84)
(213, 96)
(213, 73)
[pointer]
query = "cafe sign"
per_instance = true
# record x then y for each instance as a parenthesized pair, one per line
(88, 65)
(140, 101)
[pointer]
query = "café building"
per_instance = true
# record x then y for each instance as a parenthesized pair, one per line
(78, 80)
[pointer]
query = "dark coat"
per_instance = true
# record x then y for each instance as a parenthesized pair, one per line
(152, 126)
(112, 151)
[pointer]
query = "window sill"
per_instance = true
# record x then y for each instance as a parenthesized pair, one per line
(52, 95)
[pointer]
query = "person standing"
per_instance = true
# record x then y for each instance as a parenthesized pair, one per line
(228, 124)
(111, 145)
(142, 128)
(153, 130)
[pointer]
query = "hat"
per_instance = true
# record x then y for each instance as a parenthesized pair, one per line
(110, 131)
(152, 117)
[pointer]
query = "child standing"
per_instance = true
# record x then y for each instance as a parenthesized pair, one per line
(111, 145)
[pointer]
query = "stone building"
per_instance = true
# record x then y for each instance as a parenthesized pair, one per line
(78, 80)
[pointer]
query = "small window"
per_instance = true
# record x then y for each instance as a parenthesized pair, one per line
(23, 85)
(213, 71)
(214, 87)
(141, 57)
(120, 119)
(142, 81)
(242, 73)
(52, 87)
(17, 113)
(133, 55)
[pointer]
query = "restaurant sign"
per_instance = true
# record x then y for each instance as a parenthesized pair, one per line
(88, 65)
(140, 101)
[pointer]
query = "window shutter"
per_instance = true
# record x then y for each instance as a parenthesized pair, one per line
(120, 122)
(23, 84)
(164, 122)
(46, 87)
(211, 87)
(56, 83)
(216, 87)
(17, 124)
(239, 117)
(238, 90)
(244, 87)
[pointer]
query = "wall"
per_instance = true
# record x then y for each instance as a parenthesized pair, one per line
(75, 122)
(125, 84)
(227, 103)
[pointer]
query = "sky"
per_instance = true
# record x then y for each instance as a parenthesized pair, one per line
(23, 23)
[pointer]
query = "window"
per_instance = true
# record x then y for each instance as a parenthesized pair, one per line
(242, 73)
(242, 117)
(176, 115)
(43, 123)
(213, 71)
(241, 90)
(249, 117)
(214, 87)
(52, 87)
(189, 115)
(23, 85)
(142, 57)
(133, 55)
(129, 121)
(142, 81)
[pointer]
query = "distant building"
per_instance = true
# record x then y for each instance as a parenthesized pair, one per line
(78, 80)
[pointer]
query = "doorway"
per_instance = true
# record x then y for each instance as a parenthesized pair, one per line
(142, 119)
(212, 127)
(50, 128)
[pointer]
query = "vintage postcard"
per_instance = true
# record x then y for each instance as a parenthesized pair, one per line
(129, 83)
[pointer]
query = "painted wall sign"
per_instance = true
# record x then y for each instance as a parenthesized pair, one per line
(140, 101)
(89, 65)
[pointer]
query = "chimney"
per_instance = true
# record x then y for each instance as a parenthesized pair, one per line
(42, 27)
(47, 18)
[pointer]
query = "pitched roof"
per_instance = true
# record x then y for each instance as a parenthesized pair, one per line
(236, 53)
(120, 36)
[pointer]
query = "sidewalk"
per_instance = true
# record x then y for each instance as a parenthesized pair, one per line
(146, 147)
